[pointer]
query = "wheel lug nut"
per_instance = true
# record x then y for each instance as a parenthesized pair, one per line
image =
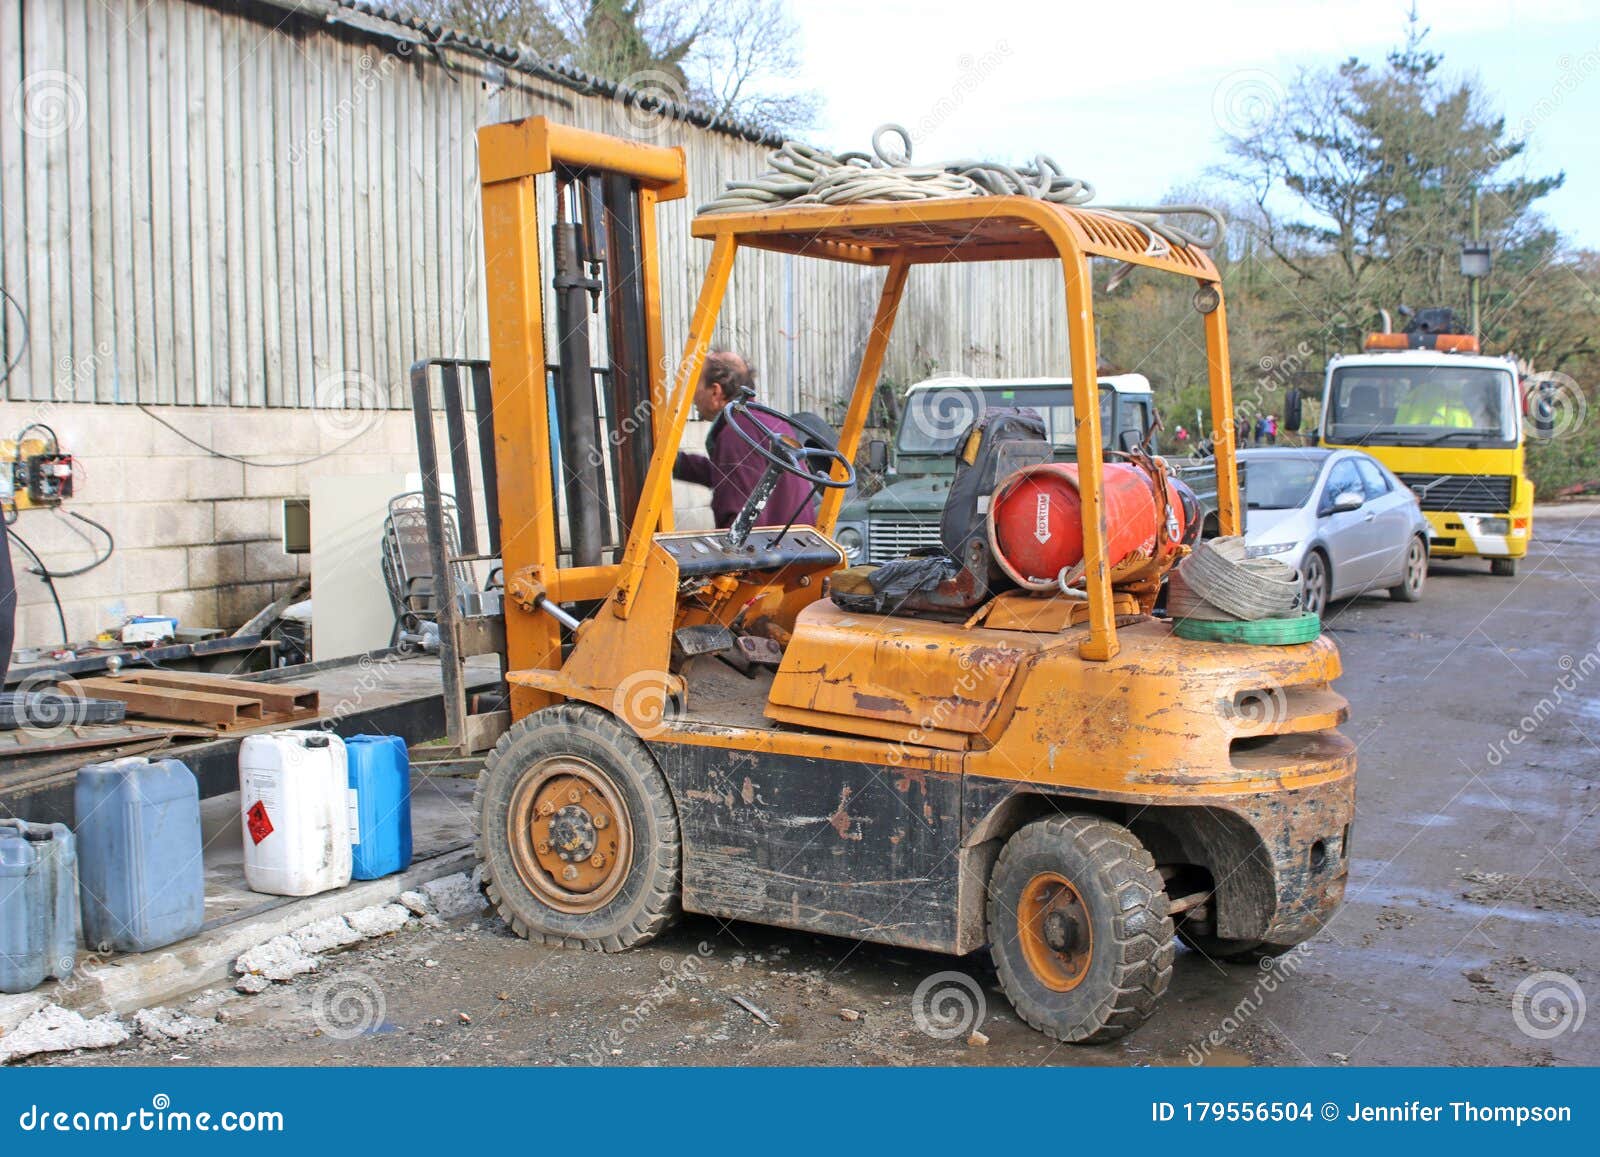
(597, 861)
(600, 820)
(573, 796)
(547, 808)
(544, 848)
(569, 873)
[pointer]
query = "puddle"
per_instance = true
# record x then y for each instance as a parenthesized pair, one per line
(1436, 820)
(1448, 901)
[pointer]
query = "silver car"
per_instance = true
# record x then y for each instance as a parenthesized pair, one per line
(1340, 518)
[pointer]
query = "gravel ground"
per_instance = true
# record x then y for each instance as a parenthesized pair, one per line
(1476, 874)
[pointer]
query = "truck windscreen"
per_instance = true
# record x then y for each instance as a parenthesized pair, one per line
(937, 416)
(1421, 405)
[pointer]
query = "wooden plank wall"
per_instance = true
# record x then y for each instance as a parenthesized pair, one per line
(202, 207)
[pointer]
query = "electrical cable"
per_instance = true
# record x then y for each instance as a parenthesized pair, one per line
(55, 442)
(44, 573)
(111, 546)
(23, 348)
(215, 453)
(801, 174)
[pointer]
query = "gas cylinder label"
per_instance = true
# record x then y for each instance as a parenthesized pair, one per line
(258, 822)
(1041, 518)
(353, 806)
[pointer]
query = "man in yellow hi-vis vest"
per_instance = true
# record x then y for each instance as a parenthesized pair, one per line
(1431, 404)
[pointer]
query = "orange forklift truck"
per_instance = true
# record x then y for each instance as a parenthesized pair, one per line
(692, 722)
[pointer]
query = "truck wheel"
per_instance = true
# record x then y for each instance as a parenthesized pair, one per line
(577, 832)
(1415, 576)
(1504, 567)
(1078, 928)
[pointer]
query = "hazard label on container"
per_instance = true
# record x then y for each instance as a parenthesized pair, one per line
(258, 822)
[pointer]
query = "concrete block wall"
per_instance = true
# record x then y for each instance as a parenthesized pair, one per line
(198, 536)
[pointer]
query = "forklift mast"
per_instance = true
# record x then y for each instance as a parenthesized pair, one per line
(569, 407)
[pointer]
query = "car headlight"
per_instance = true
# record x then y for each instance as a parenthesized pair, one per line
(851, 541)
(1494, 526)
(1269, 548)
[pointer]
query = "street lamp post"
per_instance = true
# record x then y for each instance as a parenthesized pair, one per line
(1475, 264)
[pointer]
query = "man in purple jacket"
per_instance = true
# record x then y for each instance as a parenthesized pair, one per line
(730, 466)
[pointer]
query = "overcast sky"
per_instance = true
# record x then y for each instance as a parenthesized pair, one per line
(1135, 97)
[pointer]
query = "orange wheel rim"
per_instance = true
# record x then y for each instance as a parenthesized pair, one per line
(570, 836)
(1053, 925)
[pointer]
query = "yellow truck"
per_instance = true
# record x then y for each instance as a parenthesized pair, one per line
(1448, 420)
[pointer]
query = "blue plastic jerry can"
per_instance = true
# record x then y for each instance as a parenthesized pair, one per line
(24, 951)
(380, 805)
(140, 870)
(52, 891)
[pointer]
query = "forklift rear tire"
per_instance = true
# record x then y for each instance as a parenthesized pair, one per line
(577, 833)
(1504, 567)
(1078, 928)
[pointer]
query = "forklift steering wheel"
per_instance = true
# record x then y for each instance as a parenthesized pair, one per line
(796, 456)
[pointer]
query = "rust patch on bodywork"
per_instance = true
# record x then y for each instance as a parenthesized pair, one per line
(886, 703)
(840, 819)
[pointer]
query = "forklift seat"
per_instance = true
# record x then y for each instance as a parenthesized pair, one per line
(960, 573)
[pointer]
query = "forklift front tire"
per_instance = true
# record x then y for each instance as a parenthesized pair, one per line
(577, 833)
(1078, 928)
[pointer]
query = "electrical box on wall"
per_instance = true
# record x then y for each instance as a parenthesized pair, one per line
(33, 473)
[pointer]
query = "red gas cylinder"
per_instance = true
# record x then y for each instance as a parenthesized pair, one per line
(1036, 519)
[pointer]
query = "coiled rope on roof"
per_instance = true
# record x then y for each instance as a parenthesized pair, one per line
(801, 174)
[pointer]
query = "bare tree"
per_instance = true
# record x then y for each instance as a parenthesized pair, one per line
(741, 60)
(736, 58)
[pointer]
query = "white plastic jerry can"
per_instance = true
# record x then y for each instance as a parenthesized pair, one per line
(294, 796)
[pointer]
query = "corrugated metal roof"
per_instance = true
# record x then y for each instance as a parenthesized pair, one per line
(384, 20)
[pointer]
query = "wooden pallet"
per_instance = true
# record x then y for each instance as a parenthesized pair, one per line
(210, 700)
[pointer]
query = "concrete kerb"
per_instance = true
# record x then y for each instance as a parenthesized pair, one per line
(126, 984)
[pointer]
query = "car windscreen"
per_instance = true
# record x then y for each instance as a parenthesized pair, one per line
(936, 416)
(1281, 483)
(1415, 405)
